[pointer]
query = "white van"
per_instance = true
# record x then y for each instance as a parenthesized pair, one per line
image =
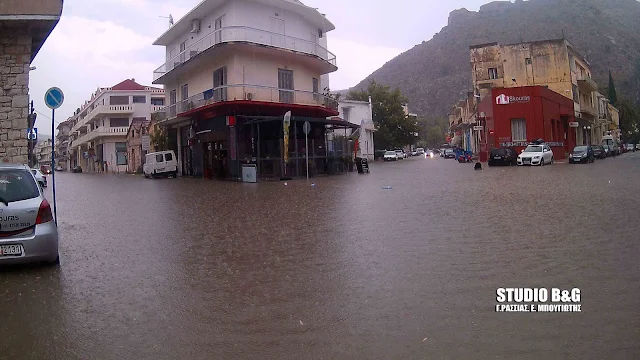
(161, 163)
(612, 142)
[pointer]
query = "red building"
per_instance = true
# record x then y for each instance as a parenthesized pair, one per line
(516, 116)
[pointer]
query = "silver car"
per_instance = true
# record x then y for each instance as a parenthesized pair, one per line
(28, 232)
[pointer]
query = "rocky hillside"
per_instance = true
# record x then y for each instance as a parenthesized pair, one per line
(436, 73)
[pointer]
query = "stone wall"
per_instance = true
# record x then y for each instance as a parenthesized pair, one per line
(15, 58)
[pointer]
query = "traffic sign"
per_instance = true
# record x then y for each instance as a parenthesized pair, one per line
(54, 98)
(32, 134)
(306, 128)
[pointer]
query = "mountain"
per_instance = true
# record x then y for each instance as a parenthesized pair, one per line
(436, 73)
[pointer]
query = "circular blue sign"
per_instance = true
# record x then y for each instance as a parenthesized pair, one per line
(54, 98)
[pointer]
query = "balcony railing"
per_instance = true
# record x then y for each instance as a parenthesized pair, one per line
(587, 84)
(103, 110)
(100, 132)
(247, 92)
(245, 34)
(588, 109)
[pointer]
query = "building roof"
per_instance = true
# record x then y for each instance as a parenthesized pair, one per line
(128, 85)
(207, 7)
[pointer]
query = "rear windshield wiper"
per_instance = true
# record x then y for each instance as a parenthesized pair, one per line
(4, 201)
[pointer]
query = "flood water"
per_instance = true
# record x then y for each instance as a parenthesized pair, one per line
(345, 269)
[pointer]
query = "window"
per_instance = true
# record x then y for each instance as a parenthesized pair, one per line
(184, 92)
(119, 100)
(285, 81)
(576, 94)
(17, 185)
(173, 96)
(345, 113)
(183, 48)
(527, 61)
(121, 153)
(159, 158)
(139, 99)
(118, 122)
(316, 88)
(157, 102)
(168, 157)
(219, 80)
(518, 130)
(493, 73)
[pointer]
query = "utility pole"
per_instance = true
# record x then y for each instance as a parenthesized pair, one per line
(31, 121)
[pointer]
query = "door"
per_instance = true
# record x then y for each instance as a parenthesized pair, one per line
(219, 80)
(277, 32)
(217, 27)
(548, 154)
(285, 81)
(173, 97)
(183, 51)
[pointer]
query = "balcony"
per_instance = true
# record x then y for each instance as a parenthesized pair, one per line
(104, 110)
(586, 84)
(248, 94)
(588, 110)
(243, 34)
(101, 131)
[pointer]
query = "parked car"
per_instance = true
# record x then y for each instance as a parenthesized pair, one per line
(390, 156)
(607, 150)
(630, 147)
(28, 232)
(536, 154)
(40, 177)
(420, 151)
(59, 168)
(45, 169)
(613, 144)
(449, 153)
(161, 163)
(503, 156)
(401, 154)
(598, 151)
(638, 146)
(76, 169)
(580, 154)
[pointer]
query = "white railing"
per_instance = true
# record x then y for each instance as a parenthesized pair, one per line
(240, 92)
(249, 35)
(156, 108)
(103, 109)
(99, 132)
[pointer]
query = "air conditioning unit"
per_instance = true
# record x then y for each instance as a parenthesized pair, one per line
(249, 96)
(195, 26)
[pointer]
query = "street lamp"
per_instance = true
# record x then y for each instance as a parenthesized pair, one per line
(588, 129)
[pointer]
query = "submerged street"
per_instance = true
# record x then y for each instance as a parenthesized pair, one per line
(345, 269)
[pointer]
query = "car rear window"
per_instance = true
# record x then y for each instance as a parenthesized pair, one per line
(17, 185)
(498, 151)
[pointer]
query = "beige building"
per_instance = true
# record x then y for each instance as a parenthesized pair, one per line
(24, 27)
(554, 64)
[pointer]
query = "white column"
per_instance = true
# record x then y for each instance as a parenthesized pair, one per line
(179, 154)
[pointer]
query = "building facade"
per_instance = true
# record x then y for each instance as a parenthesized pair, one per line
(62, 144)
(553, 64)
(358, 113)
(100, 126)
(136, 154)
(42, 152)
(24, 27)
(232, 71)
(515, 117)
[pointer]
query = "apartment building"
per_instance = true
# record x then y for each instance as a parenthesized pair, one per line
(358, 113)
(553, 64)
(24, 27)
(99, 133)
(232, 70)
(42, 152)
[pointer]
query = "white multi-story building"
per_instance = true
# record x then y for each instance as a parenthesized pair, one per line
(232, 70)
(99, 133)
(359, 113)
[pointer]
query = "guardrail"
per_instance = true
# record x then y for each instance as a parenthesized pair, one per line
(245, 34)
(238, 92)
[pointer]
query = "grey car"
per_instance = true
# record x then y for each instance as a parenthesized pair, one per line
(28, 232)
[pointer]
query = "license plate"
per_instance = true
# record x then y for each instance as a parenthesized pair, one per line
(497, 157)
(11, 250)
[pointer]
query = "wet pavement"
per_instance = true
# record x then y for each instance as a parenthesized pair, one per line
(346, 269)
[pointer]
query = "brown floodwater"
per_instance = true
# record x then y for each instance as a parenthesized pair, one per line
(345, 269)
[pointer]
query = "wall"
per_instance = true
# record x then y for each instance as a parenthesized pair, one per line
(265, 71)
(200, 78)
(30, 7)
(15, 58)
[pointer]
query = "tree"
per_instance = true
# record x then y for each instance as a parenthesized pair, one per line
(395, 129)
(432, 131)
(159, 139)
(613, 96)
(629, 119)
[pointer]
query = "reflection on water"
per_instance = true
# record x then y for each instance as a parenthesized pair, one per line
(344, 269)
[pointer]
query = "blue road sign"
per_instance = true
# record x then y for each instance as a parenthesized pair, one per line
(32, 134)
(54, 98)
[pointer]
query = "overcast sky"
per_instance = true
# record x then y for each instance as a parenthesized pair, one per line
(99, 43)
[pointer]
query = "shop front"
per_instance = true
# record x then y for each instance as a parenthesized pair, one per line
(514, 117)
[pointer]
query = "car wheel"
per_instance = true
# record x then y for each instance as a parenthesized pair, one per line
(542, 162)
(551, 160)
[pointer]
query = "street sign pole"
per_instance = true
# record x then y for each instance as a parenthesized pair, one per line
(53, 98)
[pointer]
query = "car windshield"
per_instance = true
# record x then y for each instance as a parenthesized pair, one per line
(498, 151)
(390, 153)
(580, 149)
(17, 185)
(607, 142)
(533, 148)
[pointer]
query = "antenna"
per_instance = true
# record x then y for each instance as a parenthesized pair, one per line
(170, 19)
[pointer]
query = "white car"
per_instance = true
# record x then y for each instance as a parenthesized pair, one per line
(536, 155)
(390, 156)
(40, 177)
(401, 154)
